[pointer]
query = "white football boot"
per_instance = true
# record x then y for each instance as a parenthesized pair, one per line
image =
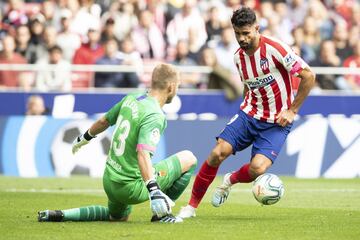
(186, 212)
(222, 192)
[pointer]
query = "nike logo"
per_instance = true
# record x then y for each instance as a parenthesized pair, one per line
(274, 153)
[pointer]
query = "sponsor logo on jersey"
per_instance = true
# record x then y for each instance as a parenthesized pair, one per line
(289, 59)
(260, 81)
(264, 64)
(162, 173)
(155, 136)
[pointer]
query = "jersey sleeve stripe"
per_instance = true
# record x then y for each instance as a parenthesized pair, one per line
(145, 147)
(277, 46)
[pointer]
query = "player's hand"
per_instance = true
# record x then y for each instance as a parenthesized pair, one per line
(285, 117)
(160, 203)
(80, 141)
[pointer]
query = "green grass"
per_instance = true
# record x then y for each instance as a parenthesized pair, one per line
(310, 209)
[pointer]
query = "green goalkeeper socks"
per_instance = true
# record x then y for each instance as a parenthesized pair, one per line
(90, 213)
(180, 184)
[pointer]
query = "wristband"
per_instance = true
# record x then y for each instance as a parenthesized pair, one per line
(152, 185)
(88, 136)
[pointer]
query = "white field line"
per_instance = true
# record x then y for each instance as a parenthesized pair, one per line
(98, 190)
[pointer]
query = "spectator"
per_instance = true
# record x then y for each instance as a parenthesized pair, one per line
(8, 55)
(48, 11)
(189, 19)
(297, 11)
(147, 37)
(312, 36)
(220, 77)
(214, 26)
(86, 15)
(226, 48)
(327, 58)
(157, 9)
(354, 62)
(57, 79)
(321, 16)
(88, 53)
(189, 80)
(35, 106)
(36, 29)
(22, 38)
(113, 79)
(123, 14)
(67, 40)
(307, 53)
(108, 31)
(129, 56)
(49, 41)
(340, 39)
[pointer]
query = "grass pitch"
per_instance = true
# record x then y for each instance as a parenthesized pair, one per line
(310, 209)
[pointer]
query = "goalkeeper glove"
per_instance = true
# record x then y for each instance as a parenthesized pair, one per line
(160, 203)
(81, 140)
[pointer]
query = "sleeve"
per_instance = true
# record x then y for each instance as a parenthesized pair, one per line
(150, 132)
(113, 113)
(291, 61)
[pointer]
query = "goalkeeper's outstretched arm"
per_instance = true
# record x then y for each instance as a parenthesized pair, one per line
(98, 127)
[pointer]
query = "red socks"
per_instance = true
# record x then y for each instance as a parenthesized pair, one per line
(202, 181)
(242, 175)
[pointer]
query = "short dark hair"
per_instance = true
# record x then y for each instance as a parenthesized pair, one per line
(243, 16)
(55, 48)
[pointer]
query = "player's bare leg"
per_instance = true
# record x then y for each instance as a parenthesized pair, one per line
(247, 173)
(205, 177)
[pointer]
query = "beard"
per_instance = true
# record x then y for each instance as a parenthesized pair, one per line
(246, 46)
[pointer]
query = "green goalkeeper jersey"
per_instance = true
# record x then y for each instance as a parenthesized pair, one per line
(139, 123)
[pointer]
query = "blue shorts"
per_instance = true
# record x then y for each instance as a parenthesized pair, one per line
(266, 138)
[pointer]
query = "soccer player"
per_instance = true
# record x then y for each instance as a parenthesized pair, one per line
(265, 116)
(129, 177)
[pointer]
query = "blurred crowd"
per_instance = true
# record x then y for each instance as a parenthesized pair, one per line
(325, 33)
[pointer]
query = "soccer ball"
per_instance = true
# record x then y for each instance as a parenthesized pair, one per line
(268, 189)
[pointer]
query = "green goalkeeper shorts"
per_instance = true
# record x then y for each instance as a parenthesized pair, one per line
(121, 195)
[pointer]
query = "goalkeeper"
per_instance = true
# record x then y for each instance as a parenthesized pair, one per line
(129, 177)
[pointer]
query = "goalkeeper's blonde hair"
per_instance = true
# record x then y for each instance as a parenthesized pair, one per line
(164, 74)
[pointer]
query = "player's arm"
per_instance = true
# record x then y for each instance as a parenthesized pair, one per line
(296, 66)
(160, 203)
(149, 136)
(98, 127)
(307, 82)
(146, 169)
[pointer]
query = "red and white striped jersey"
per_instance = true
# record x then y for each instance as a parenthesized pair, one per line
(267, 74)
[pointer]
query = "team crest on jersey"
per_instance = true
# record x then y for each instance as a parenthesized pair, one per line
(155, 136)
(264, 64)
(162, 173)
